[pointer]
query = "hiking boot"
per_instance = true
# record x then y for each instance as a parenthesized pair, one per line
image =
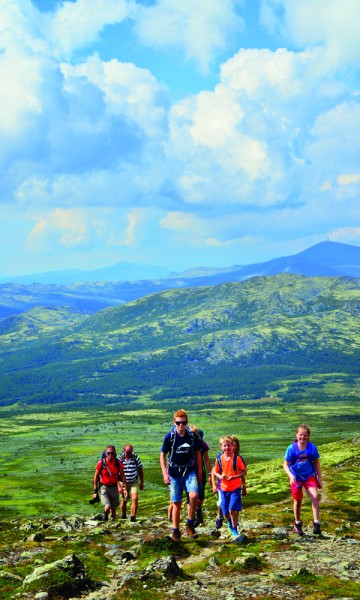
(234, 533)
(316, 528)
(123, 516)
(218, 523)
(298, 528)
(190, 531)
(176, 535)
(132, 519)
(106, 517)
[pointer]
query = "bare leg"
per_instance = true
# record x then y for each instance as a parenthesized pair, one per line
(176, 514)
(234, 518)
(314, 497)
(134, 504)
(170, 509)
(297, 509)
(191, 507)
(123, 507)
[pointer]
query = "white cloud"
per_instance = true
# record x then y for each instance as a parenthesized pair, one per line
(180, 221)
(329, 23)
(64, 227)
(347, 235)
(199, 29)
(126, 91)
(349, 179)
(77, 24)
(129, 237)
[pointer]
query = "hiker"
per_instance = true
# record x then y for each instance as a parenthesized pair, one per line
(217, 486)
(229, 468)
(236, 446)
(205, 468)
(110, 475)
(183, 471)
(302, 466)
(133, 471)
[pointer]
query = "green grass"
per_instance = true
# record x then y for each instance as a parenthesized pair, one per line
(51, 455)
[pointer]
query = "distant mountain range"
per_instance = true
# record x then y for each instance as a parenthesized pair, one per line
(285, 332)
(94, 290)
(121, 271)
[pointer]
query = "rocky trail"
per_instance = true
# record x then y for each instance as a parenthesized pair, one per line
(79, 557)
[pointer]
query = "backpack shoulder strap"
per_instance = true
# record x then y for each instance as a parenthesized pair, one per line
(295, 452)
(172, 443)
(235, 462)
(310, 448)
(218, 460)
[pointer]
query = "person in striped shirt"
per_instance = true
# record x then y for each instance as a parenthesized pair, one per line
(133, 471)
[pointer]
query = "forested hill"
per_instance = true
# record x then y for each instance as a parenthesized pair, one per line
(266, 335)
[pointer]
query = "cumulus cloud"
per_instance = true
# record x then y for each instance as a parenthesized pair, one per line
(331, 24)
(67, 227)
(267, 150)
(180, 221)
(199, 29)
(129, 235)
(77, 24)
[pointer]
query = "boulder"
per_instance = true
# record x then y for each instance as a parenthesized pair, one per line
(67, 576)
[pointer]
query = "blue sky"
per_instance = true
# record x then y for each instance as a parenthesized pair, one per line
(214, 132)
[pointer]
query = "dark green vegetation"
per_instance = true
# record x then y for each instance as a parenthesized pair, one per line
(285, 336)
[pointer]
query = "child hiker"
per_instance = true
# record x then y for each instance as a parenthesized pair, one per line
(229, 468)
(236, 445)
(216, 487)
(302, 465)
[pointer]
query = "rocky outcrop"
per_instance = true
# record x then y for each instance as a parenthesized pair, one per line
(114, 560)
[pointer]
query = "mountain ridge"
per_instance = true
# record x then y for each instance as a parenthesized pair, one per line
(236, 338)
(324, 259)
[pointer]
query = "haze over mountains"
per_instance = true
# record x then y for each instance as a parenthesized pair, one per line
(90, 291)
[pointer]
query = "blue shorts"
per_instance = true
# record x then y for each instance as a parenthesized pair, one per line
(188, 483)
(230, 500)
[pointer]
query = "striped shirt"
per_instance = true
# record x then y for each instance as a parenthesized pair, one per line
(131, 467)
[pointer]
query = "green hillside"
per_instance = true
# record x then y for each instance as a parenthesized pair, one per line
(284, 335)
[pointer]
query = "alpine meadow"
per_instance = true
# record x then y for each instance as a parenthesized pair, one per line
(253, 358)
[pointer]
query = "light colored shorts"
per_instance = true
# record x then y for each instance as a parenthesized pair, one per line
(219, 499)
(296, 489)
(109, 496)
(189, 483)
(132, 488)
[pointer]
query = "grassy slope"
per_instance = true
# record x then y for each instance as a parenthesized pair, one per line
(237, 338)
(59, 450)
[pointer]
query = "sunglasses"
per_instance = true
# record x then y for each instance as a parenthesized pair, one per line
(110, 453)
(180, 422)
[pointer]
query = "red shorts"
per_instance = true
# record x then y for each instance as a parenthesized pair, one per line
(296, 489)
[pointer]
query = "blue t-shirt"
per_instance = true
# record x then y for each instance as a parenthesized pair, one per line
(183, 453)
(303, 467)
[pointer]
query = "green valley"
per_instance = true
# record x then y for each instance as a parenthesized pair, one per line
(285, 336)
